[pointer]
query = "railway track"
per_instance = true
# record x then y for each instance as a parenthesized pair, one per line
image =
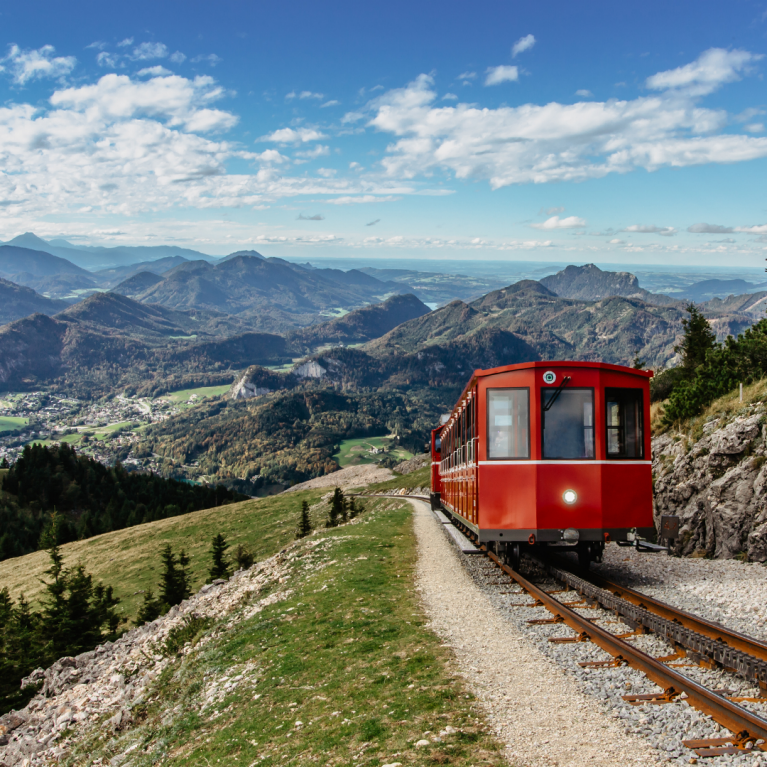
(692, 638)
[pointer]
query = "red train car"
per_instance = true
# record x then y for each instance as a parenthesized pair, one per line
(548, 453)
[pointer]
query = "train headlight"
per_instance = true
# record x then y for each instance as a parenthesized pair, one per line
(569, 497)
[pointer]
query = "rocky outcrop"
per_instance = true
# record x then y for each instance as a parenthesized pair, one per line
(413, 464)
(718, 486)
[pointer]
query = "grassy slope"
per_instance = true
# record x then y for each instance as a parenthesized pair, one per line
(10, 422)
(419, 478)
(129, 559)
(342, 672)
(347, 455)
(725, 408)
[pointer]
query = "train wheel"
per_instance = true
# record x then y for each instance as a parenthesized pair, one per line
(514, 556)
(584, 556)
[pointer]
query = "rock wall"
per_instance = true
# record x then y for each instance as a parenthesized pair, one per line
(717, 486)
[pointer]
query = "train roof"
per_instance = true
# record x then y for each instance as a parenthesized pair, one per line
(553, 364)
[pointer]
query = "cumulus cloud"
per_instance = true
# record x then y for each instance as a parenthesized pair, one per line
(523, 44)
(180, 58)
(583, 93)
(616, 242)
(36, 64)
(450, 97)
(558, 142)
(555, 222)
(709, 229)
(467, 77)
(146, 51)
(208, 58)
(315, 217)
(128, 41)
(666, 231)
(759, 229)
(711, 70)
(312, 154)
(293, 136)
(501, 74)
(331, 103)
(156, 71)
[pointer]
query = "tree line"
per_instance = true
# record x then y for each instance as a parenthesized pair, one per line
(709, 370)
(90, 498)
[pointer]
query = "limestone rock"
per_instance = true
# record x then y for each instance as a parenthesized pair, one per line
(717, 486)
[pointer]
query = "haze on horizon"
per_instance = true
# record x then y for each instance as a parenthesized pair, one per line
(603, 134)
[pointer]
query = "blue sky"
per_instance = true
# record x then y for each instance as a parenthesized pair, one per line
(605, 132)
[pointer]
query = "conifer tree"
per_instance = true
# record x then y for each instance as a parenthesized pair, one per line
(336, 508)
(355, 509)
(243, 556)
(220, 564)
(304, 521)
(174, 581)
(698, 340)
(150, 609)
(637, 363)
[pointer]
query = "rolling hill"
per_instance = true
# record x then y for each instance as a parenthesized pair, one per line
(17, 301)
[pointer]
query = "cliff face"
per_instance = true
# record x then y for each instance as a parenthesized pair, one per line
(718, 486)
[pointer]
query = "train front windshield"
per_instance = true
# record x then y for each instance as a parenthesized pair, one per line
(567, 419)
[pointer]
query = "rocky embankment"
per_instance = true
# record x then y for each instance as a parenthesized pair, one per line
(105, 690)
(718, 486)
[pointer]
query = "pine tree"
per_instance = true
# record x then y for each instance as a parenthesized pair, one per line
(304, 521)
(355, 509)
(336, 508)
(150, 609)
(5, 464)
(243, 556)
(698, 340)
(637, 363)
(174, 581)
(220, 565)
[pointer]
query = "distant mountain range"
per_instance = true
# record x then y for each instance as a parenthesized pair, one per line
(89, 257)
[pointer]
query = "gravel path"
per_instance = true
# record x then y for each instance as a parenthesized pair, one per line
(535, 708)
(352, 476)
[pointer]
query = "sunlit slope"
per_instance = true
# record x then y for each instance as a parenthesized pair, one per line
(129, 559)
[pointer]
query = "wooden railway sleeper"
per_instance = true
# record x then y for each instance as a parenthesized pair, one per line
(669, 695)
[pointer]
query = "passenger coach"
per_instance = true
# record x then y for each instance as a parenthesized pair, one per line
(548, 453)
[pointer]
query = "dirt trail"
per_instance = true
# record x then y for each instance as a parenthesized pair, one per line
(532, 705)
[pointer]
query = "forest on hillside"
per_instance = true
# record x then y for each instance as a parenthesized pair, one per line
(88, 498)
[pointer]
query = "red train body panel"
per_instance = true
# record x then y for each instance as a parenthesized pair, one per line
(546, 452)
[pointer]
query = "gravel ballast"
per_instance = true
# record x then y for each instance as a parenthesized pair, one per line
(588, 698)
(536, 709)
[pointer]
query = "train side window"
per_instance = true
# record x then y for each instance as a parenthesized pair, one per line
(568, 424)
(623, 417)
(438, 445)
(508, 427)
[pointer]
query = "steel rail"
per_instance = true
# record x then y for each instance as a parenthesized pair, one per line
(692, 622)
(745, 726)
(676, 626)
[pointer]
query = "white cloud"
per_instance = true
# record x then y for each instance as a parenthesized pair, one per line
(210, 58)
(107, 59)
(754, 127)
(178, 57)
(666, 231)
(313, 154)
(709, 229)
(450, 97)
(271, 156)
(365, 198)
(616, 242)
(759, 229)
(501, 74)
(125, 43)
(99, 45)
(156, 71)
(583, 93)
(709, 71)
(310, 95)
(467, 77)
(36, 64)
(553, 142)
(293, 136)
(146, 51)
(331, 103)
(555, 222)
(523, 44)
(551, 211)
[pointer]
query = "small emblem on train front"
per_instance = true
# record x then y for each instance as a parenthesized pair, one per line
(549, 377)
